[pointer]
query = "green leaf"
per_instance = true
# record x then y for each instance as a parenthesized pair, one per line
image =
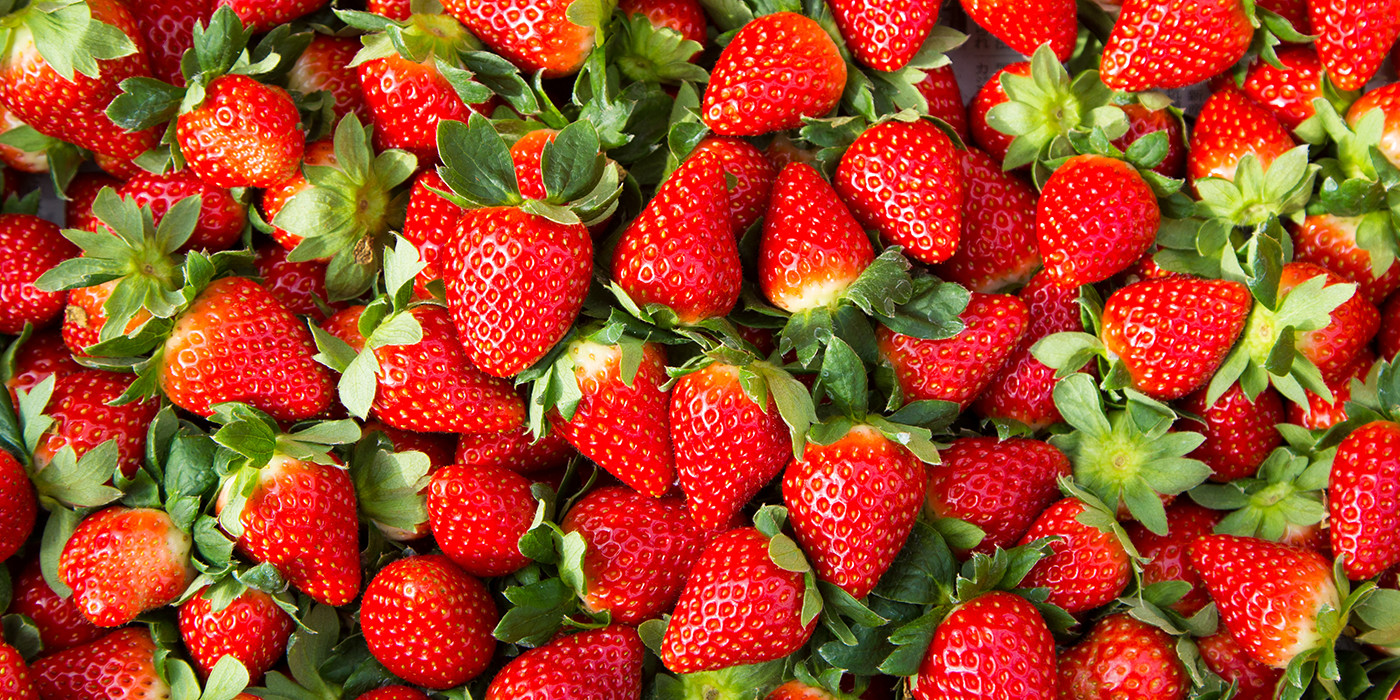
(843, 376)
(477, 163)
(536, 613)
(787, 555)
(227, 679)
(571, 162)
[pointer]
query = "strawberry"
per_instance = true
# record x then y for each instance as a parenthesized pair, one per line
(853, 503)
(1169, 44)
(244, 134)
(1143, 121)
(121, 562)
(407, 99)
(36, 160)
(1023, 389)
(812, 249)
(83, 419)
(991, 94)
(516, 450)
(997, 485)
(1361, 500)
(388, 692)
(250, 628)
(1287, 91)
(478, 515)
(82, 192)
(1239, 432)
(264, 15)
(1353, 37)
(1225, 658)
(995, 645)
(1388, 337)
(221, 216)
(121, 168)
(797, 690)
(1333, 347)
(85, 316)
(16, 680)
(1087, 567)
(296, 285)
(1317, 413)
(119, 665)
(1123, 657)
(29, 247)
(1025, 26)
(1387, 99)
(1229, 127)
(60, 623)
(429, 622)
(430, 224)
(1268, 594)
(997, 248)
(535, 35)
(957, 369)
(1332, 242)
(753, 177)
(1295, 11)
(686, 17)
(1169, 556)
(276, 197)
(167, 26)
(1096, 216)
(903, 180)
(41, 356)
(325, 64)
(733, 590)
(20, 508)
(603, 663)
(885, 34)
(940, 90)
(527, 154)
(759, 86)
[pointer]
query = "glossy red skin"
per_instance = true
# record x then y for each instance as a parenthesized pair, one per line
(940, 89)
(75, 110)
(1172, 334)
(478, 515)
(1318, 414)
(236, 342)
(394, 692)
(812, 249)
(727, 447)
(251, 629)
(753, 175)
(429, 622)
(168, 28)
(777, 69)
(296, 285)
(276, 197)
(1363, 500)
(325, 65)
(1169, 44)
(1239, 433)
(885, 34)
(16, 681)
(535, 35)
(1095, 218)
(1225, 658)
(1087, 567)
(1023, 389)
(221, 217)
(998, 247)
(34, 161)
(244, 134)
(516, 450)
(119, 665)
(1288, 92)
(993, 646)
(1230, 126)
(393, 9)
(988, 96)
(29, 247)
(602, 663)
(263, 15)
(1387, 99)
(1169, 555)
(83, 419)
(997, 485)
(640, 550)
(1024, 26)
(684, 16)
(852, 504)
(18, 507)
(1334, 347)
(957, 369)
(1330, 241)
(515, 284)
(301, 519)
(1123, 657)
(735, 588)
(904, 180)
(84, 316)
(1143, 121)
(1295, 11)
(121, 562)
(119, 167)
(60, 623)
(1388, 337)
(77, 211)
(406, 101)
(527, 153)
(797, 690)
(430, 224)
(1353, 37)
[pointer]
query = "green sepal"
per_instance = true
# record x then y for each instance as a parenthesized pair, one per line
(389, 485)
(1285, 494)
(645, 52)
(71, 40)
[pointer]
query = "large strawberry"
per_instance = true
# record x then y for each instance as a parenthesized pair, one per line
(516, 450)
(995, 645)
(1288, 89)
(958, 368)
(17, 506)
(940, 90)
(1172, 43)
(885, 34)
(1239, 432)
(16, 680)
(1088, 566)
(29, 247)
(250, 628)
(601, 662)
(167, 26)
(83, 420)
(1096, 216)
(1361, 501)
(997, 248)
(1229, 127)
(536, 35)
(119, 665)
(41, 356)
(1123, 657)
(812, 249)
(244, 134)
(325, 64)
(756, 87)
(121, 562)
(478, 515)
(998, 485)
(1353, 37)
(1025, 26)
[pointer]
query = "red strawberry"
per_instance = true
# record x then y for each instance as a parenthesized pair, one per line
(429, 622)
(16, 680)
(19, 507)
(251, 628)
(995, 645)
(275, 197)
(121, 562)
(957, 369)
(940, 89)
(733, 589)
(1318, 413)
(168, 29)
(430, 224)
(903, 179)
(221, 216)
(119, 665)
(1172, 334)
(997, 248)
(29, 247)
(1087, 567)
(264, 15)
(535, 35)
(42, 355)
(478, 515)
(601, 663)
(1362, 500)
(60, 623)
(244, 134)
(776, 70)
(997, 485)
(1289, 91)
(684, 16)
(1123, 658)
(1170, 43)
(1295, 11)
(389, 692)
(988, 96)
(1388, 338)
(753, 177)
(121, 168)
(1330, 241)
(1239, 432)
(325, 65)
(1025, 26)
(408, 100)
(37, 161)
(1335, 346)
(527, 153)
(1143, 121)
(1353, 37)
(1231, 125)
(1023, 390)
(1169, 556)
(82, 191)
(297, 285)
(83, 419)
(85, 316)
(812, 249)
(516, 450)
(1387, 99)
(1268, 594)
(437, 446)
(885, 34)
(1225, 658)
(1096, 216)
(797, 690)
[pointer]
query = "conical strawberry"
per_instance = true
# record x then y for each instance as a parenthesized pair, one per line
(760, 85)
(121, 562)
(957, 369)
(601, 663)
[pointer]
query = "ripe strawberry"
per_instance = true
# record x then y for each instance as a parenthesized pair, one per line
(244, 134)
(680, 252)
(41, 356)
(1169, 556)
(753, 175)
(60, 623)
(991, 94)
(1353, 37)
(1333, 347)
(85, 316)
(1088, 567)
(1025, 26)
(997, 485)
(957, 369)
(16, 680)
(733, 589)
(275, 197)
(759, 86)
(430, 224)
(1231, 125)
(1289, 91)
(997, 248)
(121, 168)
(37, 161)
(1319, 414)
(1388, 338)
(296, 285)
(684, 16)
(1096, 216)
(19, 507)
(1125, 658)
(516, 450)
(527, 154)
(300, 517)
(83, 419)
(1143, 121)
(251, 628)
(478, 515)
(812, 249)
(1225, 658)
(119, 665)
(82, 191)
(1295, 11)
(1172, 334)
(1023, 390)
(1239, 432)
(903, 179)
(29, 247)
(1361, 500)
(429, 622)
(1387, 99)
(388, 692)
(602, 663)
(885, 34)
(995, 645)
(797, 690)
(121, 562)
(408, 99)
(167, 26)
(535, 35)
(221, 216)
(264, 15)
(325, 65)
(1169, 44)
(1331, 241)
(940, 89)
(1268, 594)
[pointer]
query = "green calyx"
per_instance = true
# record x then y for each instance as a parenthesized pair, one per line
(66, 36)
(1256, 195)
(647, 53)
(390, 485)
(1286, 493)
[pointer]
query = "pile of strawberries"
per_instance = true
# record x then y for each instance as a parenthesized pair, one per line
(680, 350)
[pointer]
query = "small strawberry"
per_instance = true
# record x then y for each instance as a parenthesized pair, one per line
(940, 90)
(1239, 432)
(1336, 243)
(1096, 216)
(478, 515)
(1169, 44)
(250, 628)
(1230, 126)
(1143, 121)
(997, 248)
(16, 680)
(121, 562)
(29, 247)
(1361, 500)
(1168, 557)
(797, 690)
(760, 85)
(1023, 390)
(221, 216)
(686, 17)
(1125, 659)
(19, 507)
(83, 419)
(812, 249)
(602, 663)
(1025, 26)
(60, 623)
(1288, 91)
(995, 645)
(1316, 412)
(957, 369)
(997, 485)
(1353, 37)
(325, 64)
(885, 34)
(1225, 658)
(119, 665)
(1087, 567)
(516, 450)
(753, 177)
(167, 26)
(244, 134)
(991, 94)
(535, 35)
(297, 285)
